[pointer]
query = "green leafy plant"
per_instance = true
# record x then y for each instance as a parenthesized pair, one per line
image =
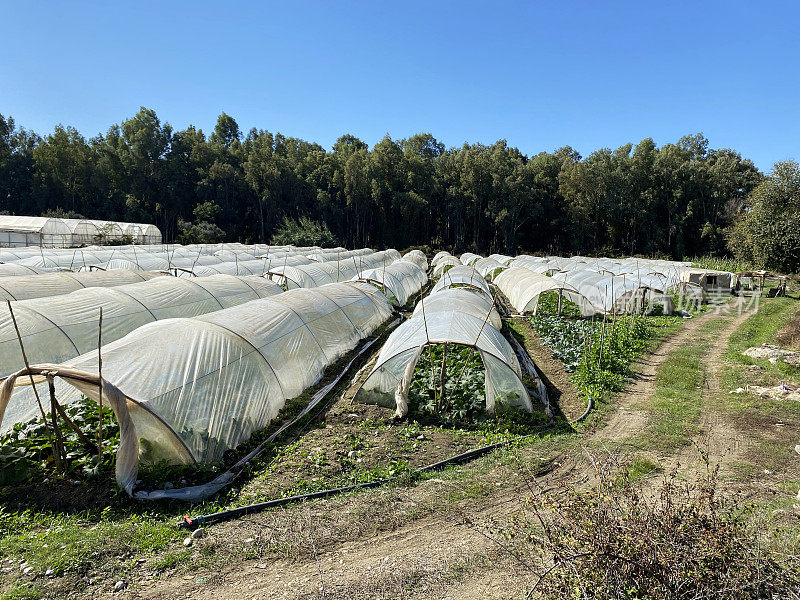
(449, 382)
(26, 451)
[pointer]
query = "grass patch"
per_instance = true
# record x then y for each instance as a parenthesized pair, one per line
(761, 327)
(69, 543)
(677, 400)
(22, 591)
(641, 467)
(171, 560)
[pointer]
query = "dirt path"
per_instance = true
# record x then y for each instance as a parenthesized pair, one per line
(423, 559)
(626, 420)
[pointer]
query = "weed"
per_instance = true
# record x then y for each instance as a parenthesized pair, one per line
(612, 541)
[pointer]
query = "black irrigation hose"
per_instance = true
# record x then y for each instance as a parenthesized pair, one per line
(188, 522)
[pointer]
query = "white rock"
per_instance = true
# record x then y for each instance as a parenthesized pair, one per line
(28, 570)
(120, 585)
(249, 541)
(352, 454)
(49, 573)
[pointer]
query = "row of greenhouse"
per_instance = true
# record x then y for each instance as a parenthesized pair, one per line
(192, 366)
(54, 232)
(596, 285)
(196, 357)
(191, 260)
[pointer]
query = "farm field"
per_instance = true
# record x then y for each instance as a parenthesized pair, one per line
(640, 385)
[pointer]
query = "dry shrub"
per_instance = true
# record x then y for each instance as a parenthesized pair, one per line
(683, 542)
(789, 335)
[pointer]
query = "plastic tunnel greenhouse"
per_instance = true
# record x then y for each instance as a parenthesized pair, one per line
(15, 270)
(451, 320)
(25, 287)
(523, 288)
(462, 276)
(418, 257)
(444, 264)
(45, 232)
(58, 328)
(468, 301)
(185, 390)
(399, 281)
(468, 258)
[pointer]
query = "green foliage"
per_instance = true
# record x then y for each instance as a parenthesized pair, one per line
(304, 232)
(461, 370)
(201, 232)
(21, 590)
(548, 305)
(768, 232)
(599, 354)
(565, 337)
(26, 451)
(719, 263)
(671, 200)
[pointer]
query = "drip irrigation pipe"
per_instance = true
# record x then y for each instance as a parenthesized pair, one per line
(188, 522)
(196, 493)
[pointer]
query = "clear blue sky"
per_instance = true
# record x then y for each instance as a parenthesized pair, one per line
(539, 74)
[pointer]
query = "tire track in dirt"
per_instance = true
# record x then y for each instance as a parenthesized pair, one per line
(627, 420)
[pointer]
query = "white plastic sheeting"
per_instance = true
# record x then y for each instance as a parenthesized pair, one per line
(175, 255)
(316, 274)
(462, 276)
(468, 258)
(439, 256)
(399, 281)
(417, 256)
(444, 264)
(186, 390)
(478, 305)
(55, 329)
(603, 285)
(450, 319)
(46, 232)
(25, 287)
(605, 293)
(15, 270)
(501, 258)
(523, 288)
(488, 268)
(51, 232)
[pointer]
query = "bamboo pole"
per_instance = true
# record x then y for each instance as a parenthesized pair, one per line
(28, 367)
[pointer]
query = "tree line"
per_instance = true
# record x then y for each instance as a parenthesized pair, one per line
(675, 200)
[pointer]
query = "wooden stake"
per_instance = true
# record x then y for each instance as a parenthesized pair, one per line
(100, 386)
(59, 455)
(442, 379)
